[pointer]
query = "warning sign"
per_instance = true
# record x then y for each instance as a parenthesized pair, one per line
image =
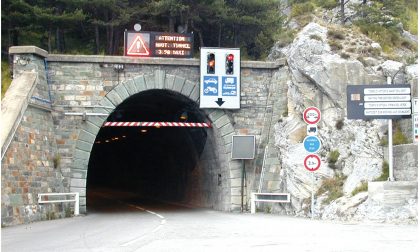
(158, 44)
(138, 44)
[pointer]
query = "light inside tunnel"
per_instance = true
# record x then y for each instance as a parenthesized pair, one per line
(154, 162)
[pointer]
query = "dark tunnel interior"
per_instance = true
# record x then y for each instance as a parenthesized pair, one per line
(154, 163)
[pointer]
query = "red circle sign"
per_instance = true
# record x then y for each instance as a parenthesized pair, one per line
(312, 162)
(312, 115)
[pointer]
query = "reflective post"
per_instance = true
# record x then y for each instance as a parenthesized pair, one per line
(390, 146)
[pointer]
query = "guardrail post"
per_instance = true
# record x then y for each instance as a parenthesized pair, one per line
(252, 203)
(77, 203)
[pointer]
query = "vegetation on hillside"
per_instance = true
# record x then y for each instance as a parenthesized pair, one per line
(97, 26)
(6, 79)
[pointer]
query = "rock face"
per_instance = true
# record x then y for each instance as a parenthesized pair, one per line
(319, 77)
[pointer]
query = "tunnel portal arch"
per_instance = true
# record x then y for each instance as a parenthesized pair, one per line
(216, 152)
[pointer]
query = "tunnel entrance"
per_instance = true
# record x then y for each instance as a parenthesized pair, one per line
(161, 163)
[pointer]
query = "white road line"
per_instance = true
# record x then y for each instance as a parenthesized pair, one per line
(162, 222)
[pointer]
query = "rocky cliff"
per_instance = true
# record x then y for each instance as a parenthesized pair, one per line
(319, 77)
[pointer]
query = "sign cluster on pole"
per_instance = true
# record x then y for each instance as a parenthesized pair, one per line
(220, 84)
(312, 145)
(378, 101)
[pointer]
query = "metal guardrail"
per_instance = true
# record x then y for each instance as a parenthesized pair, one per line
(76, 199)
(268, 197)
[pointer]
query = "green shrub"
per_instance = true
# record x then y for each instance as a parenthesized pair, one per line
(6, 78)
(333, 158)
(285, 38)
(387, 37)
(385, 172)
(361, 188)
(334, 187)
(299, 9)
(339, 124)
(399, 138)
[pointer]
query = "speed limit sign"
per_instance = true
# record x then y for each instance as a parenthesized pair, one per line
(312, 162)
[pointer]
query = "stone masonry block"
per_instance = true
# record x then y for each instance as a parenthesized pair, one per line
(86, 136)
(160, 79)
(122, 92)
(80, 164)
(188, 87)
(82, 201)
(91, 128)
(178, 84)
(195, 94)
(216, 114)
(228, 138)
(222, 121)
(97, 120)
(150, 81)
(237, 173)
(235, 182)
(80, 174)
(106, 102)
(80, 154)
(114, 97)
(130, 87)
(235, 191)
(227, 129)
(80, 190)
(140, 83)
(82, 145)
(75, 182)
(235, 200)
(169, 81)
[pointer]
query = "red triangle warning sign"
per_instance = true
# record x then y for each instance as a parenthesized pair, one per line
(138, 47)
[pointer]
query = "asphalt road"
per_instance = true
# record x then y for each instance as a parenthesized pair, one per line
(130, 224)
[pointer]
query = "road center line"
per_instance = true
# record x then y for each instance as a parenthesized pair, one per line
(162, 222)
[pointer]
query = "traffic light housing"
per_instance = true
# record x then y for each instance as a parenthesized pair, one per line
(211, 63)
(229, 63)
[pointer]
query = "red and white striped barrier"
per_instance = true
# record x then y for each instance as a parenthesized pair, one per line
(157, 124)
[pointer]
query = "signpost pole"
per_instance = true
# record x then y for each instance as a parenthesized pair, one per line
(390, 146)
(242, 185)
(313, 196)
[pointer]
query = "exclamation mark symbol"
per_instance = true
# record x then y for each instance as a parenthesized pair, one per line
(138, 45)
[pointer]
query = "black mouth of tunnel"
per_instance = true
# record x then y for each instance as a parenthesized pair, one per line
(153, 162)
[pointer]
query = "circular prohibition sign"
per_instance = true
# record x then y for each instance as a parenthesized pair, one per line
(312, 162)
(312, 115)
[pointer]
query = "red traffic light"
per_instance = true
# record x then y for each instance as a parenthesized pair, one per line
(230, 57)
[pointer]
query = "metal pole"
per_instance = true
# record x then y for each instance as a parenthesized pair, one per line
(242, 185)
(313, 196)
(390, 146)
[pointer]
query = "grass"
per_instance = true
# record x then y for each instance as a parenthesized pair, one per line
(335, 34)
(398, 138)
(334, 187)
(6, 78)
(361, 188)
(385, 172)
(335, 45)
(332, 158)
(315, 37)
(344, 55)
(298, 9)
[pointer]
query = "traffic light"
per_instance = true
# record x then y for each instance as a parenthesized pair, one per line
(211, 63)
(229, 63)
